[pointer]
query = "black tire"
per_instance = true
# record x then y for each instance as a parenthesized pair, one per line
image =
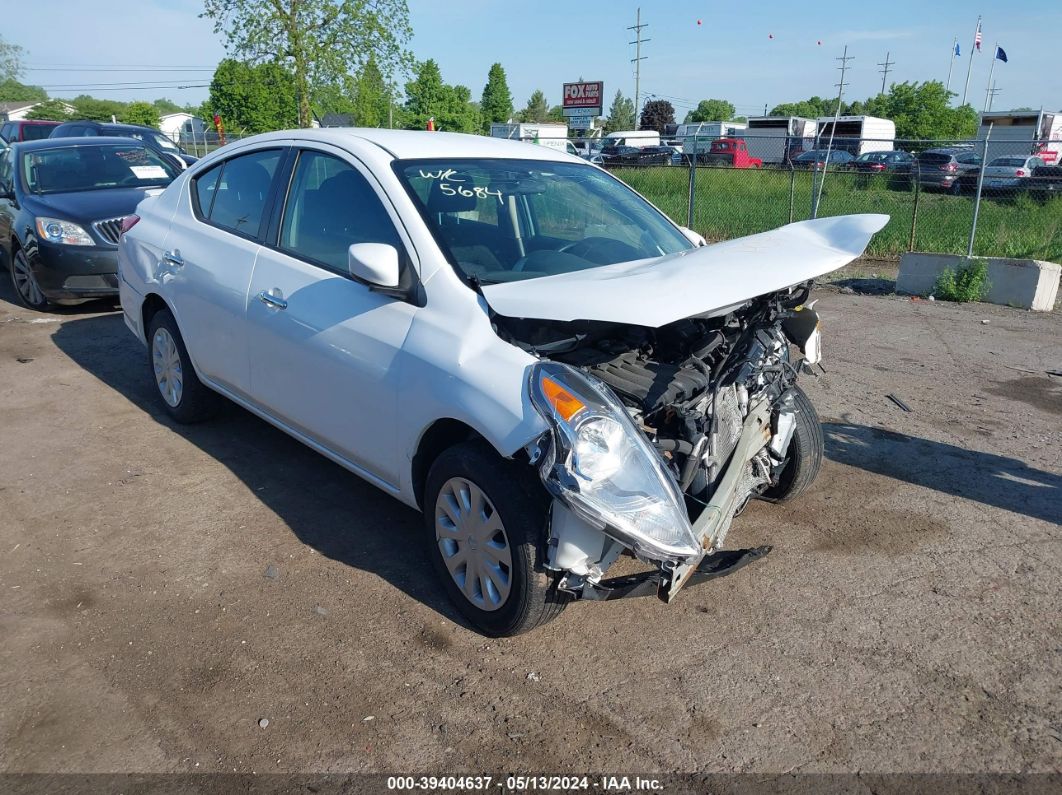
(533, 598)
(804, 457)
(196, 402)
(956, 188)
(29, 296)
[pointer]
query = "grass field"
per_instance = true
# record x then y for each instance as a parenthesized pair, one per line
(730, 203)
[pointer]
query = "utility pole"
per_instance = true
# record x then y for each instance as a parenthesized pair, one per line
(885, 71)
(817, 197)
(992, 95)
(637, 61)
(973, 50)
(764, 108)
(951, 64)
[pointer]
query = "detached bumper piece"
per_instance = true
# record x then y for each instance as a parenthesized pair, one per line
(649, 583)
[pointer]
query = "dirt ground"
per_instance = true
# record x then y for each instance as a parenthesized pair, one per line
(166, 588)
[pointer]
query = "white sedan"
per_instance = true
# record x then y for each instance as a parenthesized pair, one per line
(501, 335)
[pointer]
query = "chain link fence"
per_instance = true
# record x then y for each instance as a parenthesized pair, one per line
(934, 192)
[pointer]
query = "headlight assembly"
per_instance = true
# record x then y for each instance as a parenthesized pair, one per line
(63, 232)
(604, 468)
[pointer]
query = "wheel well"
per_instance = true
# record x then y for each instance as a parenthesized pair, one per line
(151, 306)
(441, 435)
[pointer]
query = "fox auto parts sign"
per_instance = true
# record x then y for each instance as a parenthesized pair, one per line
(583, 99)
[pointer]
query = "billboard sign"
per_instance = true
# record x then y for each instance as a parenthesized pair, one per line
(585, 97)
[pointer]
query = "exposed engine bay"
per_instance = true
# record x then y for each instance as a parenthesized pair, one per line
(690, 385)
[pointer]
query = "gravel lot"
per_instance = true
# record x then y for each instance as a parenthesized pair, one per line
(165, 588)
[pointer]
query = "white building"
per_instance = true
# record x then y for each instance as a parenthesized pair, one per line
(17, 111)
(172, 123)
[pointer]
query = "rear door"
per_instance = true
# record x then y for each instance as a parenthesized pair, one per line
(323, 346)
(210, 254)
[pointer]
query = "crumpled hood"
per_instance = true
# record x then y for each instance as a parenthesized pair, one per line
(654, 292)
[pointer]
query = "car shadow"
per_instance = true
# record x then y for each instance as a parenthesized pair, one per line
(982, 477)
(324, 505)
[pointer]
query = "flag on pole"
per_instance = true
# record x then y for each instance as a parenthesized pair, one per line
(431, 124)
(977, 37)
(1001, 54)
(958, 52)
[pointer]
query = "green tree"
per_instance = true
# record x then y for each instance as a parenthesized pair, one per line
(87, 107)
(656, 115)
(13, 91)
(620, 114)
(166, 106)
(11, 56)
(556, 113)
(143, 113)
(253, 98)
(496, 105)
(50, 110)
(537, 109)
(809, 109)
(923, 110)
(711, 110)
(427, 97)
(324, 39)
(372, 97)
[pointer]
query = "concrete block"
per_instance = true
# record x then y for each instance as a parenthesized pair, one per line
(1024, 283)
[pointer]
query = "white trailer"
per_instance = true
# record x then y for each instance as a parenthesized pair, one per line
(1023, 133)
(550, 134)
(857, 134)
(778, 139)
(701, 134)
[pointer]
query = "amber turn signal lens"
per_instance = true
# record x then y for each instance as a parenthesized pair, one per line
(563, 402)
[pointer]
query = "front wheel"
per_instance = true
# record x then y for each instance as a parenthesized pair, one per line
(485, 526)
(25, 283)
(804, 457)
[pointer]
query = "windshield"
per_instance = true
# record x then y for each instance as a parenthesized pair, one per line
(97, 167)
(35, 132)
(162, 142)
(504, 220)
(1008, 161)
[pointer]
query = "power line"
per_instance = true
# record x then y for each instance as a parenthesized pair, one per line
(143, 88)
(637, 60)
(116, 85)
(119, 69)
(885, 71)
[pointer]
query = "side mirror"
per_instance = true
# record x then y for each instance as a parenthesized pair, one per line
(374, 263)
(693, 237)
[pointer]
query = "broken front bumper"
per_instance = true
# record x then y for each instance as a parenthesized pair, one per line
(710, 528)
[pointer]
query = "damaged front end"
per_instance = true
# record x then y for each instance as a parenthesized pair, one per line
(660, 437)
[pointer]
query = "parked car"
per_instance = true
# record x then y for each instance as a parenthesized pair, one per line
(636, 155)
(505, 337)
(896, 162)
(942, 168)
(729, 152)
(62, 203)
(1004, 175)
(26, 130)
(1046, 182)
(148, 135)
(817, 159)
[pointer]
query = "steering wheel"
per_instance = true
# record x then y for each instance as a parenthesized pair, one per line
(606, 248)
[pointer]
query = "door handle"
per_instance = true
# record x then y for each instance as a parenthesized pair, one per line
(274, 301)
(173, 258)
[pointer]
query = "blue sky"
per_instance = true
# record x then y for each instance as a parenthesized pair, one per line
(543, 43)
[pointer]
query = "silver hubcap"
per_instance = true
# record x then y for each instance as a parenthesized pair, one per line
(473, 544)
(25, 282)
(166, 362)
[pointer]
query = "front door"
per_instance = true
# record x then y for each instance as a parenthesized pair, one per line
(323, 346)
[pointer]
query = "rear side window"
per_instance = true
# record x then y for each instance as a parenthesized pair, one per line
(331, 206)
(233, 195)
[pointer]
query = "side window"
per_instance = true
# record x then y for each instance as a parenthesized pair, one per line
(240, 191)
(203, 189)
(329, 207)
(6, 159)
(87, 131)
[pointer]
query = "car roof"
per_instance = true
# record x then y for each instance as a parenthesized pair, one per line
(415, 144)
(111, 125)
(66, 143)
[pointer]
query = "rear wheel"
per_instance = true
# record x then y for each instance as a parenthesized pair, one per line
(25, 283)
(804, 457)
(184, 397)
(485, 526)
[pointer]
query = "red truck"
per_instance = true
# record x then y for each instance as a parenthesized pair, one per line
(730, 152)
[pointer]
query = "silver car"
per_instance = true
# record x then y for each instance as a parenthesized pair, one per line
(1007, 174)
